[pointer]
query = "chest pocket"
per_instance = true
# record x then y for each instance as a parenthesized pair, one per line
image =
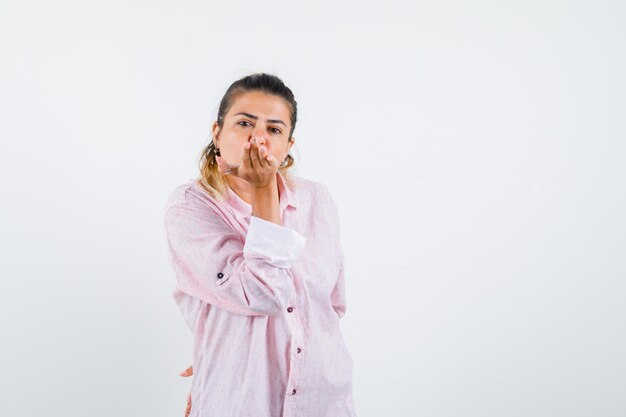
(221, 278)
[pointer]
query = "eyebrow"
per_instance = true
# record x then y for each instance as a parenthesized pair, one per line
(252, 116)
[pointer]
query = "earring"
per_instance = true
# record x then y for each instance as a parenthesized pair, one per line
(217, 152)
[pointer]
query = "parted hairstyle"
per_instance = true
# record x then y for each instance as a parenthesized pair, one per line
(211, 179)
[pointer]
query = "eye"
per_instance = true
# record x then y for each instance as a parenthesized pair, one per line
(243, 121)
(277, 130)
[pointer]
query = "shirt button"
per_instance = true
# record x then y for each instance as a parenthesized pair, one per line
(290, 309)
(293, 392)
(299, 350)
(220, 275)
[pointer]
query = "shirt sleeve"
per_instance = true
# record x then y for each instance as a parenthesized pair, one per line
(189, 307)
(338, 294)
(213, 263)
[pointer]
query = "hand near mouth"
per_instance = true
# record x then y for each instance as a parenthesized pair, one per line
(258, 166)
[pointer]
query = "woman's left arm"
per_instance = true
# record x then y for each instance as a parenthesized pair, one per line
(338, 294)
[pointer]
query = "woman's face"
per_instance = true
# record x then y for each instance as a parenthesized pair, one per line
(259, 115)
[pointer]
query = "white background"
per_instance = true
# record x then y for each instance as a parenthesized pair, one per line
(476, 151)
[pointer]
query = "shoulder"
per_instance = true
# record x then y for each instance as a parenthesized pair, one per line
(316, 195)
(179, 194)
(189, 209)
(306, 186)
(188, 194)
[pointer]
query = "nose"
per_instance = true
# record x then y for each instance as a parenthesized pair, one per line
(259, 134)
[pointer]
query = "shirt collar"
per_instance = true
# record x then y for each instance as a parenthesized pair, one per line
(288, 197)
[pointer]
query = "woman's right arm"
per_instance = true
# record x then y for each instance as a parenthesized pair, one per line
(213, 264)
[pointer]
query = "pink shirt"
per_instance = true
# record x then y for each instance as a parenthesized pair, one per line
(263, 302)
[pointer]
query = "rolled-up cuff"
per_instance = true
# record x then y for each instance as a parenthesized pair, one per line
(277, 245)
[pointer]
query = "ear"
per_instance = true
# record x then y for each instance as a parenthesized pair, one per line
(216, 130)
(292, 140)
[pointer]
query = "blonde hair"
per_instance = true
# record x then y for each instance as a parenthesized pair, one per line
(211, 179)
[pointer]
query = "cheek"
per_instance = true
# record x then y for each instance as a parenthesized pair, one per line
(232, 142)
(278, 148)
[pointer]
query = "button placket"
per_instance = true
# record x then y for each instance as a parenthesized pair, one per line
(294, 322)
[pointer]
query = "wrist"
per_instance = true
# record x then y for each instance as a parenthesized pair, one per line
(269, 186)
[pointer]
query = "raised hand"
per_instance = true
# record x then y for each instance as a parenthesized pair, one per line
(258, 166)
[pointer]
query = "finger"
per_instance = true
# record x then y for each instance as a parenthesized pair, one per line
(259, 156)
(265, 160)
(244, 158)
(248, 154)
(188, 407)
(245, 154)
(251, 147)
(272, 161)
(187, 372)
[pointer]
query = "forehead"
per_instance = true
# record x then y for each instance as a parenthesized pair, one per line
(265, 106)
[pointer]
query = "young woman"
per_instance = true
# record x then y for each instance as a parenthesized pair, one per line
(259, 268)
